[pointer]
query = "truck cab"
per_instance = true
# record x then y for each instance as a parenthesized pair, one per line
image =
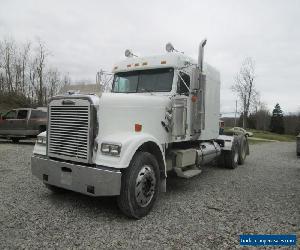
(161, 115)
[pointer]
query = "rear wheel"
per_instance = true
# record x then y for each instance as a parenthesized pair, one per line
(242, 150)
(140, 186)
(231, 157)
(15, 140)
(42, 129)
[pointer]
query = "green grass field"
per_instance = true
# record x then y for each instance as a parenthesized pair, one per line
(266, 135)
(272, 136)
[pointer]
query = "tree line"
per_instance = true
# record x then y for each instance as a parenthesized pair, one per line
(254, 113)
(26, 77)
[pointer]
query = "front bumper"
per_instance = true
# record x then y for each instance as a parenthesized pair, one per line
(93, 181)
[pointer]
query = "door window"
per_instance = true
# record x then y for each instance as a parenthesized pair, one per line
(22, 114)
(183, 84)
(36, 114)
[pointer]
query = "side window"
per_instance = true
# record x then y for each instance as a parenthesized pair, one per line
(36, 114)
(10, 115)
(183, 83)
(22, 114)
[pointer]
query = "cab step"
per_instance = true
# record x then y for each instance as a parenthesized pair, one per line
(189, 173)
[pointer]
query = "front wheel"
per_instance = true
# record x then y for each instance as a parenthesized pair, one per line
(140, 186)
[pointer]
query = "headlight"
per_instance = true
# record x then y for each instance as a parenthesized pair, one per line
(41, 140)
(111, 149)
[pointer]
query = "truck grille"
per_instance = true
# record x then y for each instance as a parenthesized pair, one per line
(68, 133)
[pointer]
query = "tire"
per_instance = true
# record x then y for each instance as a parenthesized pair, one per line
(140, 186)
(42, 129)
(15, 140)
(231, 157)
(243, 145)
(54, 189)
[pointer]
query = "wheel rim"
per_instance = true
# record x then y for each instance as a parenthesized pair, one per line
(243, 153)
(236, 156)
(145, 186)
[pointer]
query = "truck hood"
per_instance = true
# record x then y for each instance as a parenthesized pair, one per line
(119, 112)
(133, 100)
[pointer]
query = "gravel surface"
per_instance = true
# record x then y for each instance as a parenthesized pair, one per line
(209, 211)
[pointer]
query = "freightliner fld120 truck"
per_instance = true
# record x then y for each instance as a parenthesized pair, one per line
(161, 115)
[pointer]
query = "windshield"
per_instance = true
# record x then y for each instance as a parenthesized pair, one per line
(153, 80)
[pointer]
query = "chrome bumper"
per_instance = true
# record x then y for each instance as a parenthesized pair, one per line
(83, 179)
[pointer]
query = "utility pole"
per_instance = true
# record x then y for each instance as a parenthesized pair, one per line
(235, 113)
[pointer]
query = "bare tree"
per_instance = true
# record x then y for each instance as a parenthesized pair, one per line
(104, 79)
(40, 67)
(245, 89)
(263, 117)
(8, 52)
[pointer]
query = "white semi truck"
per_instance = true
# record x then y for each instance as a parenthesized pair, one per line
(162, 115)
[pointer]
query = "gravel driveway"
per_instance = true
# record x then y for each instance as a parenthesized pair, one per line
(208, 211)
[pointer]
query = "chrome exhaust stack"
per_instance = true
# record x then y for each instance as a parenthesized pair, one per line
(201, 54)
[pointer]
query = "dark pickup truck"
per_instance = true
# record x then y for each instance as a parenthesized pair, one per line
(23, 123)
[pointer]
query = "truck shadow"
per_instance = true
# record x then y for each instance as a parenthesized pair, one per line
(100, 207)
(96, 207)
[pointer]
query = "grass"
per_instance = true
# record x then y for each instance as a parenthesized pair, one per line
(268, 136)
(254, 142)
(272, 136)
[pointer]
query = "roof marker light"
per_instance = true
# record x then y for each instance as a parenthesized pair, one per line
(129, 65)
(137, 64)
(145, 63)
(137, 127)
(163, 62)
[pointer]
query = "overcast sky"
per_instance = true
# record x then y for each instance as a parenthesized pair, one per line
(84, 36)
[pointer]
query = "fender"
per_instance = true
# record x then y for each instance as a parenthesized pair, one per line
(130, 143)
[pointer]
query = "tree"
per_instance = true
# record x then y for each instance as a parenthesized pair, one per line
(277, 125)
(245, 89)
(40, 66)
(26, 80)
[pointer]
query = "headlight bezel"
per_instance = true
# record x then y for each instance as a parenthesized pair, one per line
(112, 149)
(41, 140)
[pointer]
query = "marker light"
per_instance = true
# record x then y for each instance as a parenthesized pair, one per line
(163, 62)
(137, 127)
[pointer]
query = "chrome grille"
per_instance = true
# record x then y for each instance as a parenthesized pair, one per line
(68, 133)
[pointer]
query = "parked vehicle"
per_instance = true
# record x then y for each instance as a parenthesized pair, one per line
(162, 115)
(24, 123)
(239, 130)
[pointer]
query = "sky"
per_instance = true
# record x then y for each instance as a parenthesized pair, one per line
(86, 36)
